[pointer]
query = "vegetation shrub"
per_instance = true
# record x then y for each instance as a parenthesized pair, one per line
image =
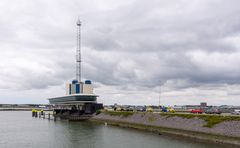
(98, 112)
(211, 120)
(119, 113)
(151, 119)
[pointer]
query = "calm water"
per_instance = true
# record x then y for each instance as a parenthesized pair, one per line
(20, 130)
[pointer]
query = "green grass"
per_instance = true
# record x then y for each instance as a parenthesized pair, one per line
(98, 112)
(211, 120)
(119, 113)
(185, 116)
(142, 114)
(151, 119)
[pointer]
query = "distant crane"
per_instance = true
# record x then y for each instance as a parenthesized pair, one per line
(78, 54)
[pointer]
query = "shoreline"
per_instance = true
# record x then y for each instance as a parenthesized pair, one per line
(178, 133)
(23, 109)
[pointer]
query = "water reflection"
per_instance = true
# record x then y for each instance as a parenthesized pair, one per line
(19, 129)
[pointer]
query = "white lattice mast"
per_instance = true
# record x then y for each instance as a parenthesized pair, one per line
(78, 54)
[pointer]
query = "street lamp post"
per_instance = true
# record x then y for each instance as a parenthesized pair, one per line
(159, 97)
(160, 90)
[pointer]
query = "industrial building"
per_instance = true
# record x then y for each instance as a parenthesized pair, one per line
(80, 102)
(79, 87)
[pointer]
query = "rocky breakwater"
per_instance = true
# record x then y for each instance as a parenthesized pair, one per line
(212, 128)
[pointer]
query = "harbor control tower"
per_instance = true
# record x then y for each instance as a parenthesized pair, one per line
(79, 102)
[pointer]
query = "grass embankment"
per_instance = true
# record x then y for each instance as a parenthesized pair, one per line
(207, 137)
(211, 120)
(118, 113)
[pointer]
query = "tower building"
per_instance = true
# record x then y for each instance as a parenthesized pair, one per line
(80, 99)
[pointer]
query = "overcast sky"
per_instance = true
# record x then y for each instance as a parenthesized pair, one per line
(191, 48)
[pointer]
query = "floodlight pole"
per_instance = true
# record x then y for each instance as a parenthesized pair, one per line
(159, 97)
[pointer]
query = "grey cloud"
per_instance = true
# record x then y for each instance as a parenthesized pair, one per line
(128, 45)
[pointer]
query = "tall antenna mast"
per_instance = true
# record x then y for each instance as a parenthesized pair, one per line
(78, 54)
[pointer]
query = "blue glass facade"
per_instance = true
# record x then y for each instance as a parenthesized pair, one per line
(77, 88)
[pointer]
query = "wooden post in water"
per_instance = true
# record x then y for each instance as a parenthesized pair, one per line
(33, 113)
(36, 114)
(39, 114)
(54, 115)
(48, 116)
(43, 115)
